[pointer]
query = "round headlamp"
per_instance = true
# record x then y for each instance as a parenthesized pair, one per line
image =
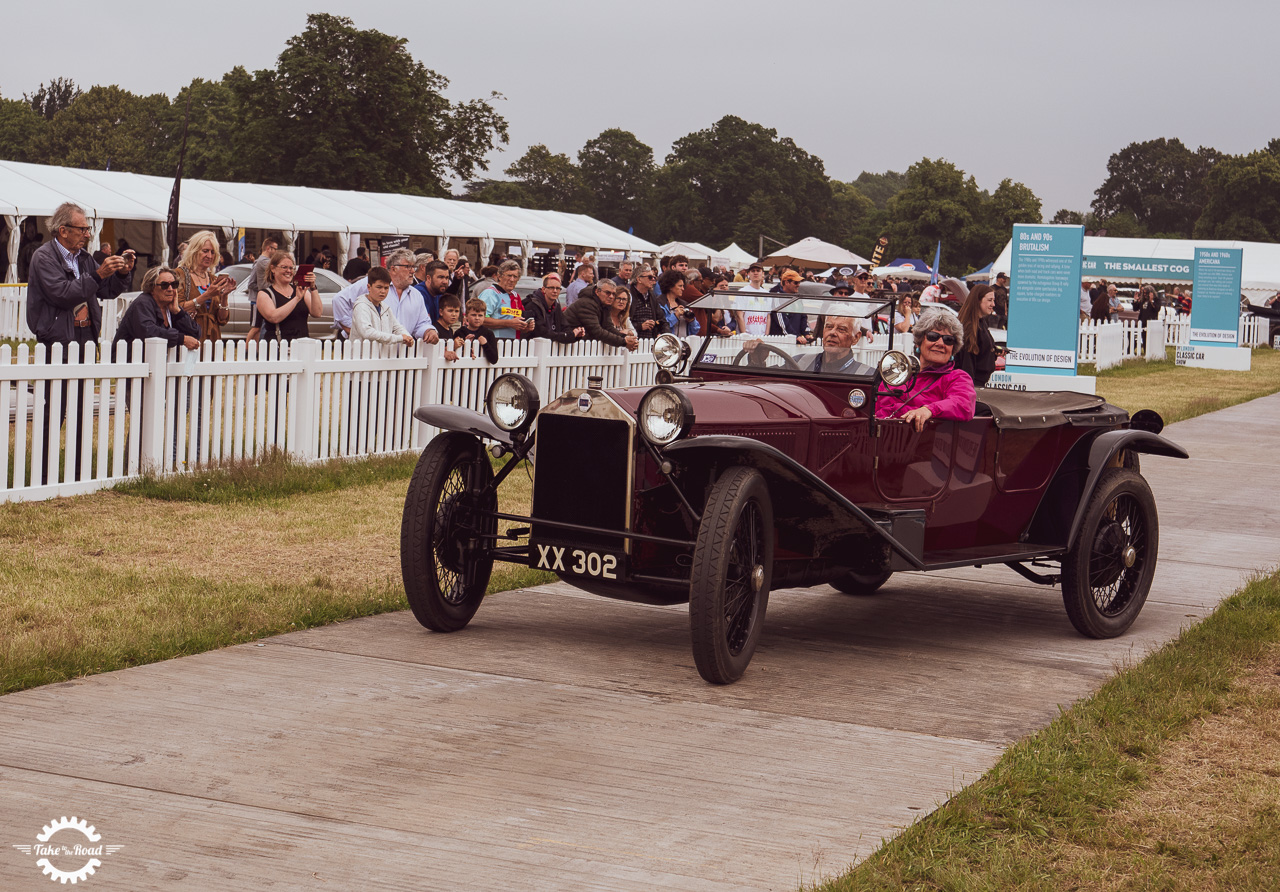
(512, 402)
(896, 368)
(666, 415)
(669, 350)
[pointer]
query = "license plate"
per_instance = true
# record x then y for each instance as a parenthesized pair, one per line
(589, 562)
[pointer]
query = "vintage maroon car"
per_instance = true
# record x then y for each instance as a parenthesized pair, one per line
(733, 477)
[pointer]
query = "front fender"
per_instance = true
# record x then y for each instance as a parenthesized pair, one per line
(804, 503)
(1101, 452)
(467, 421)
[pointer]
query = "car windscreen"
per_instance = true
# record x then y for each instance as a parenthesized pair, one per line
(855, 305)
(744, 301)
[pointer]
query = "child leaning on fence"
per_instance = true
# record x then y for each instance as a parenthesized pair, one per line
(473, 335)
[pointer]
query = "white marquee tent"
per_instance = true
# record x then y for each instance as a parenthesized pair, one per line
(1260, 274)
(738, 258)
(814, 253)
(695, 251)
(35, 190)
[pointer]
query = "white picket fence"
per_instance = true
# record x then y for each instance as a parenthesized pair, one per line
(13, 312)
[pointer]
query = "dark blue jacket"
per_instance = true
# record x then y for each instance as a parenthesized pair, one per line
(794, 324)
(53, 293)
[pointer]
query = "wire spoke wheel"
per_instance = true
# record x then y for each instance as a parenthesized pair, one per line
(732, 569)
(1108, 571)
(446, 544)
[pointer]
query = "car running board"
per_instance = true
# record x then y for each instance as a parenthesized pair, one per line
(989, 554)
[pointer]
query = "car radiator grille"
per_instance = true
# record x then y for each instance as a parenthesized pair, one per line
(581, 475)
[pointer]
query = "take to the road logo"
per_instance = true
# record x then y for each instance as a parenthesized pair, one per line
(68, 850)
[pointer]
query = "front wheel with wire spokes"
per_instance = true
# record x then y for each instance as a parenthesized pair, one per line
(447, 533)
(732, 572)
(1108, 570)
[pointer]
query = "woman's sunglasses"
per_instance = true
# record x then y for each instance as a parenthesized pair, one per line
(170, 284)
(934, 336)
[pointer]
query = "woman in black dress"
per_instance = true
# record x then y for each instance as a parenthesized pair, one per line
(283, 305)
(978, 354)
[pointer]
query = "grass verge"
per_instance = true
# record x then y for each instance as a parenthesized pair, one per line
(1178, 392)
(1064, 809)
(116, 579)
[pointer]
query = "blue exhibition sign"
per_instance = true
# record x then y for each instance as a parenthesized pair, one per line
(1215, 297)
(1133, 268)
(1044, 299)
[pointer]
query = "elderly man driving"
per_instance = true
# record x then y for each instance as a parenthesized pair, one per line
(836, 358)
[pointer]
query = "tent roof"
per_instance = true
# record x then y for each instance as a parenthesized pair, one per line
(37, 189)
(737, 256)
(815, 253)
(1260, 271)
(692, 250)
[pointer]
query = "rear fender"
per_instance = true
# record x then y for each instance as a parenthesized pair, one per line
(808, 513)
(467, 421)
(1061, 511)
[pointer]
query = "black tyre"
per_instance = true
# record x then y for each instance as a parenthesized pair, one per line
(1108, 571)
(852, 583)
(732, 571)
(444, 560)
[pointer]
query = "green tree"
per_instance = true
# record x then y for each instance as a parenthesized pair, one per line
(1244, 199)
(502, 192)
(880, 187)
(1075, 218)
(553, 181)
(759, 216)
(854, 221)
(710, 175)
(1160, 181)
(940, 203)
(352, 109)
(20, 130)
(211, 133)
(618, 171)
(106, 128)
(52, 98)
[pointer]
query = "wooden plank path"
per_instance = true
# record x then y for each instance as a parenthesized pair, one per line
(565, 741)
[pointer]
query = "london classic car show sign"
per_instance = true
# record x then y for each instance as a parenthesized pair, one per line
(1044, 309)
(1215, 312)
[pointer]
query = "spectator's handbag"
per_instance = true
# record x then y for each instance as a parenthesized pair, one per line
(210, 315)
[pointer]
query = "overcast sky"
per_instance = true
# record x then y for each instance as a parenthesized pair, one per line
(1041, 93)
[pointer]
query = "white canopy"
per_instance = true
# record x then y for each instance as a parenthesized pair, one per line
(902, 272)
(814, 253)
(692, 250)
(737, 257)
(1260, 275)
(36, 190)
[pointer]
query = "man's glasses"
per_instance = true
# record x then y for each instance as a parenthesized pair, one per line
(648, 277)
(78, 228)
(550, 287)
(935, 336)
(169, 283)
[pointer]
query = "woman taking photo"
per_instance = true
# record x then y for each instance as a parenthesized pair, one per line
(679, 317)
(283, 305)
(978, 357)
(905, 315)
(200, 293)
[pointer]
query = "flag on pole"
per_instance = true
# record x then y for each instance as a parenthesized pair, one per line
(240, 245)
(171, 222)
(937, 258)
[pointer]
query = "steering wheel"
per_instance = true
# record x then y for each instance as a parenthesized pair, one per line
(786, 357)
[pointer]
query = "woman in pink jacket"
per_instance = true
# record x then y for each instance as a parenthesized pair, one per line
(939, 390)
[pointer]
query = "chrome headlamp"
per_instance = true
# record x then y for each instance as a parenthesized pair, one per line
(896, 368)
(669, 351)
(512, 402)
(666, 415)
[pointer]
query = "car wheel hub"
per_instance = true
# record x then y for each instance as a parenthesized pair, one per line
(1112, 555)
(1130, 556)
(757, 578)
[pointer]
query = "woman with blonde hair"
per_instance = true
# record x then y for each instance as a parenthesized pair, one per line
(200, 292)
(620, 315)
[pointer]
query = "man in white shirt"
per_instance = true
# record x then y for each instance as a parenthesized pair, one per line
(1086, 301)
(404, 300)
(753, 323)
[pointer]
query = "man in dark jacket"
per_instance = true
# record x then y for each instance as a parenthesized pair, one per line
(155, 314)
(1002, 301)
(795, 324)
(64, 286)
(543, 307)
(591, 313)
(646, 307)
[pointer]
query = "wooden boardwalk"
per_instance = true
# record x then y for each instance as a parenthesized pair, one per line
(566, 742)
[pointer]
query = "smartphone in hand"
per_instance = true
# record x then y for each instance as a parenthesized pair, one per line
(300, 277)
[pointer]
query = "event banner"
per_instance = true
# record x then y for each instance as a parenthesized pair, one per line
(1044, 299)
(389, 243)
(1129, 268)
(1215, 297)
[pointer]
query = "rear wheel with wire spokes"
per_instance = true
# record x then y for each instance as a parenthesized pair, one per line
(1107, 573)
(446, 533)
(732, 572)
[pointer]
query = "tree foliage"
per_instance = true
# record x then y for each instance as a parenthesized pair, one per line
(51, 98)
(1244, 199)
(618, 172)
(880, 187)
(106, 128)
(1160, 182)
(20, 129)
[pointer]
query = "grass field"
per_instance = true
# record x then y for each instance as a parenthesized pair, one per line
(188, 564)
(1168, 778)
